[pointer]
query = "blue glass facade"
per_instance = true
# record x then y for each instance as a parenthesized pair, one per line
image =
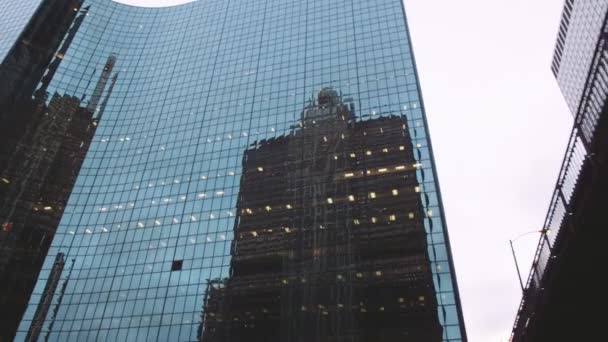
(15, 16)
(180, 96)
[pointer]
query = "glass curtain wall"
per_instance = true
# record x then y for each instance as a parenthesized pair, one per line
(259, 171)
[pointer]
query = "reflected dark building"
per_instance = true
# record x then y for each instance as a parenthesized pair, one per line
(560, 300)
(329, 241)
(43, 141)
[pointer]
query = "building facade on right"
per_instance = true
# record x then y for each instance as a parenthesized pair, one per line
(557, 302)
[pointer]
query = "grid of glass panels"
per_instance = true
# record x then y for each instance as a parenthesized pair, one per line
(582, 24)
(15, 15)
(151, 217)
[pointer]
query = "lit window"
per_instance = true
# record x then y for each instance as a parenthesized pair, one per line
(372, 195)
(356, 222)
(288, 206)
(287, 230)
(336, 157)
(330, 200)
(248, 211)
(352, 155)
(350, 174)
(410, 215)
(255, 234)
(379, 273)
(359, 275)
(48, 208)
(260, 168)
(400, 167)
(369, 153)
(429, 213)
(395, 192)
(374, 220)
(351, 198)
(401, 148)
(392, 217)
(382, 170)
(268, 208)
(325, 138)
(417, 188)
(385, 150)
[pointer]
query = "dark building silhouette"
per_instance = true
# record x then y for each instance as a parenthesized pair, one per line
(329, 242)
(43, 140)
(564, 290)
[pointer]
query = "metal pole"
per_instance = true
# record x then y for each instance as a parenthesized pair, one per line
(521, 283)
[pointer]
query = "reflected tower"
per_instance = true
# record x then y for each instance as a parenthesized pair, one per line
(329, 238)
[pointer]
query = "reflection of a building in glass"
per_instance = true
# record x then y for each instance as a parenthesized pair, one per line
(44, 137)
(329, 241)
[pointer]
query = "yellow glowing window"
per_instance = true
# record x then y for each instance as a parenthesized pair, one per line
(400, 167)
(268, 208)
(372, 195)
(369, 153)
(374, 220)
(255, 234)
(401, 148)
(356, 221)
(288, 206)
(248, 211)
(351, 198)
(350, 174)
(417, 188)
(410, 215)
(382, 170)
(385, 150)
(352, 155)
(395, 192)
(260, 168)
(330, 200)
(392, 217)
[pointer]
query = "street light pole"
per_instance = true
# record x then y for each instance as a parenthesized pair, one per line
(521, 283)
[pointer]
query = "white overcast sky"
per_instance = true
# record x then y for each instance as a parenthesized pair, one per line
(499, 127)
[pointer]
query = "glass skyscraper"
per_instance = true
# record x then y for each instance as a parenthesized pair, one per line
(224, 171)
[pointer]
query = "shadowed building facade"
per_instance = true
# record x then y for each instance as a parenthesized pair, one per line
(558, 304)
